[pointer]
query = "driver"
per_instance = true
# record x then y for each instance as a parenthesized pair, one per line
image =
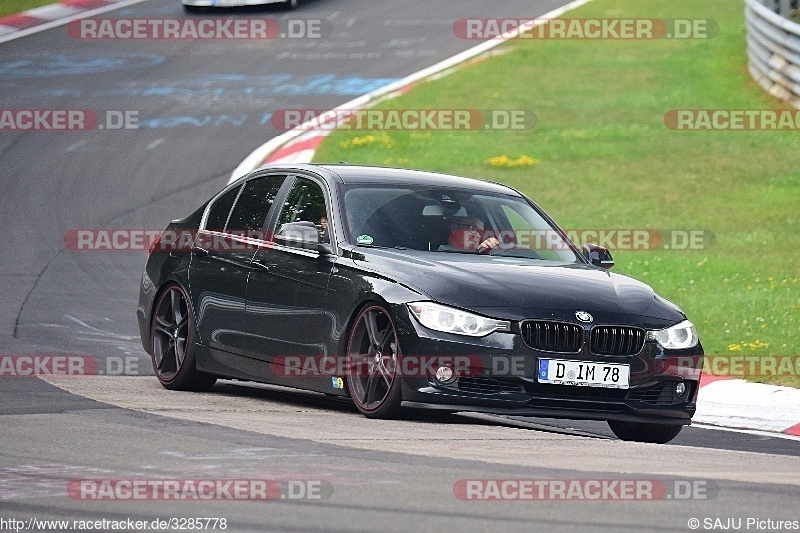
(467, 234)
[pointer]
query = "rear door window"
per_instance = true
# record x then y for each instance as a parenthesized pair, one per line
(220, 210)
(254, 203)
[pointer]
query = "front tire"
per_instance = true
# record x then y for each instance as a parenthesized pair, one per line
(373, 353)
(643, 432)
(173, 335)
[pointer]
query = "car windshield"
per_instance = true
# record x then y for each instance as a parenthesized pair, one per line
(450, 221)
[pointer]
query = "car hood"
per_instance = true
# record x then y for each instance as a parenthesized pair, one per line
(515, 288)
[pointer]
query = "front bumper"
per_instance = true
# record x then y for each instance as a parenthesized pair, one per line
(506, 379)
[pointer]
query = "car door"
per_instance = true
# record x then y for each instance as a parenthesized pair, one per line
(287, 301)
(221, 260)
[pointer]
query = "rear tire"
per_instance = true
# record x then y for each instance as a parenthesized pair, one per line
(643, 432)
(173, 336)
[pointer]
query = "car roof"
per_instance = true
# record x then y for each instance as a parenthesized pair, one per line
(362, 174)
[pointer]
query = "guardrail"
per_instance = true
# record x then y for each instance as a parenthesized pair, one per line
(773, 48)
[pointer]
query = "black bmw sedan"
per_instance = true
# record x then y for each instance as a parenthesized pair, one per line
(405, 289)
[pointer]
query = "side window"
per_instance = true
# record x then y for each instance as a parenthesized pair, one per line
(220, 209)
(303, 215)
(253, 205)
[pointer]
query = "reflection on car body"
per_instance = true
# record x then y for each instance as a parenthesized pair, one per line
(355, 268)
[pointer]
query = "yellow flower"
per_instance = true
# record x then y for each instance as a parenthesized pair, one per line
(498, 161)
(368, 140)
(505, 161)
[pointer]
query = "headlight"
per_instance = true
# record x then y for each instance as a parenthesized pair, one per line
(449, 320)
(677, 337)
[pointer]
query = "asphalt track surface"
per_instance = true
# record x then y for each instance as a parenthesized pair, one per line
(201, 108)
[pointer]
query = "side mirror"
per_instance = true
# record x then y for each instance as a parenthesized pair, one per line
(298, 235)
(598, 256)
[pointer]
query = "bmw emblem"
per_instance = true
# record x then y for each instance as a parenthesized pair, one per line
(583, 316)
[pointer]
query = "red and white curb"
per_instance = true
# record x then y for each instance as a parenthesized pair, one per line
(53, 15)
(737, 403)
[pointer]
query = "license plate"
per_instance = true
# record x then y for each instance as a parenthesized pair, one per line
(583, 373)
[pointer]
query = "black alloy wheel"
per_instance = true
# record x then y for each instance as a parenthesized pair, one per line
(173, 335)
(373, 353)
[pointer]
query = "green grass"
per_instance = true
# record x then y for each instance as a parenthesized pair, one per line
(607, 160)
(9, 7)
